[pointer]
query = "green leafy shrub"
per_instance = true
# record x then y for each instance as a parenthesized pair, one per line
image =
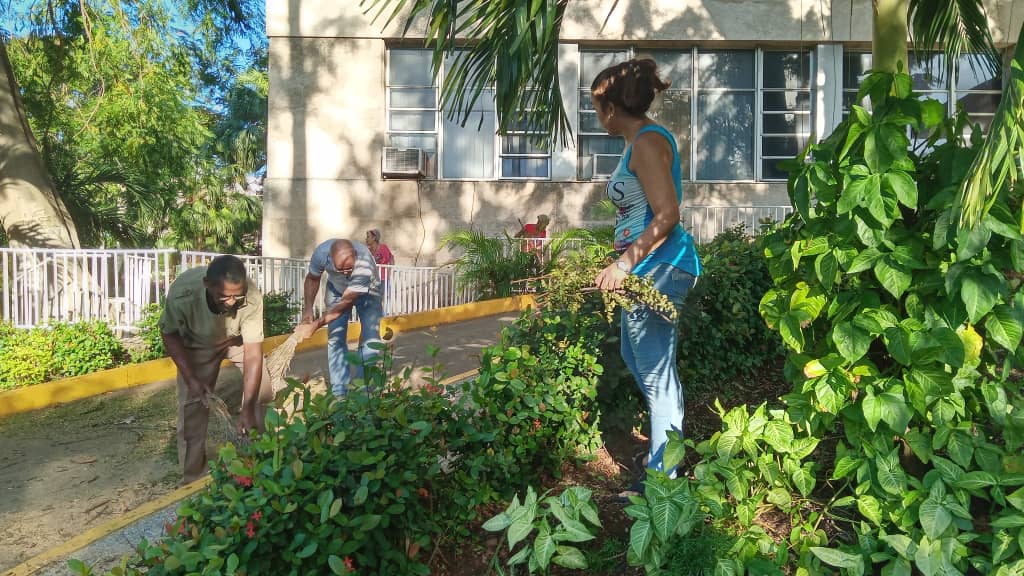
(559, 522)
(25, 357)
(151, 342)
(279, 311)
(904, 430)
(371, 483)
(489, 265)
(38, 355)
(82, 348)
(721, 333)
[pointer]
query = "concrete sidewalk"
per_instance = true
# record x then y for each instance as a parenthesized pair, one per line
(458, 348)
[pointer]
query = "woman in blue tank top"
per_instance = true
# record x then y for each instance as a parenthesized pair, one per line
(647, 189)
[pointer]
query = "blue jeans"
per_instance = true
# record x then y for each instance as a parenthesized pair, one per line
(368, 307)
(649, 351)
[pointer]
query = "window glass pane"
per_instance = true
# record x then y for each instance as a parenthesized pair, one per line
(786, 123)
(590, 124)
(524, 167)
(725, 145)
(771, 171)
(673, 113)
(468, 151)
(971, 74)
(787, 70)
(850, 98)
(781, 145)
(984, 119)
(521, 144)
(592, 63)
(787, 101)
(673, 65)
(855, 68)
(928, 72)
(410, 68)
(726, 69)
(402, 121)
(590, 145)
(412, 98)
(427, 142)
(975, 102)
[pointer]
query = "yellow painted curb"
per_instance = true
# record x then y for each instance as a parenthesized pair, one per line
(56, 553)
(76, 388)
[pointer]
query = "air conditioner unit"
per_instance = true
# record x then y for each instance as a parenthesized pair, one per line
(605, 165)
(403, 163)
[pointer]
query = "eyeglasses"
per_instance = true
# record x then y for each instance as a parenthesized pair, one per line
(239, 299)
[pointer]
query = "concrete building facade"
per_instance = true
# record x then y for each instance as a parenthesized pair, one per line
(752, 82)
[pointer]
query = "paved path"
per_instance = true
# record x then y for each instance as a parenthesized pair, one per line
(57, 464)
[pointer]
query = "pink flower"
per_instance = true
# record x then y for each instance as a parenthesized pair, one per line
(250, 529)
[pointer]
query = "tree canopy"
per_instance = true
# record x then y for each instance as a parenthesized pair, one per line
(150, 118)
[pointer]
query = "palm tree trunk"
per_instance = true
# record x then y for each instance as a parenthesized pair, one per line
(31, 212)
(889, 36)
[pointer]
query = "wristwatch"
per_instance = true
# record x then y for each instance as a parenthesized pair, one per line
(622, 266)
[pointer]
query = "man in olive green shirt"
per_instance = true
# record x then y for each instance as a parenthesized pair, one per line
(212, 313)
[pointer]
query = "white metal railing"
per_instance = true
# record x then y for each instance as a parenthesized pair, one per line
(42, 285)
(706, 222)
(404, 289)
(46, 285)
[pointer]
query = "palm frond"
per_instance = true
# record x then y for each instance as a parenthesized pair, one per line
(508, 46)
(997, 164)
(957, 26)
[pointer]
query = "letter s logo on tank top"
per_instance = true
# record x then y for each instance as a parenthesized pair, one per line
(616, 190)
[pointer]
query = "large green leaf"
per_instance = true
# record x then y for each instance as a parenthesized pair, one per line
(827, 268)
(640, 535)
(521, 526)
(1006, 326)
(894, 277)
(837, 558)
(543, 546)
(851, 341)
(897, 342)
(891, 476)
(792, 334)
(935, 517)
(903, 186)
(779, 435)
(871, 406)
(979, 292)
(868, 506)
(569, 557)
(895, 411)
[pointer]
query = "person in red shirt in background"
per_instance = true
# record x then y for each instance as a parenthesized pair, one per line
(538, 230)
(383, 256)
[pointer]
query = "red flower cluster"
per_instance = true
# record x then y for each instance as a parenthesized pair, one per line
(433, 388)
(536, 424)
(250, 525)
(242, 480)
(350, 564)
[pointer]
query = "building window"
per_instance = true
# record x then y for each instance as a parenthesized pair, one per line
(460, 148)
(412, 104)
(599, 153)
(725, 115)
(674, 109)
(785, 109)
(524, 153)
(735, 113)
(968, 84)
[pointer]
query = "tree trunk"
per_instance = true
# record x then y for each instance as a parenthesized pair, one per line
(889, 35)
(31, 212)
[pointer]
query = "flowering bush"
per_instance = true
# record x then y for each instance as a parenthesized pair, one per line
(370, 483)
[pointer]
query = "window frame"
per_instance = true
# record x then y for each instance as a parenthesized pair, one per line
(436, 170)
(694, 90)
